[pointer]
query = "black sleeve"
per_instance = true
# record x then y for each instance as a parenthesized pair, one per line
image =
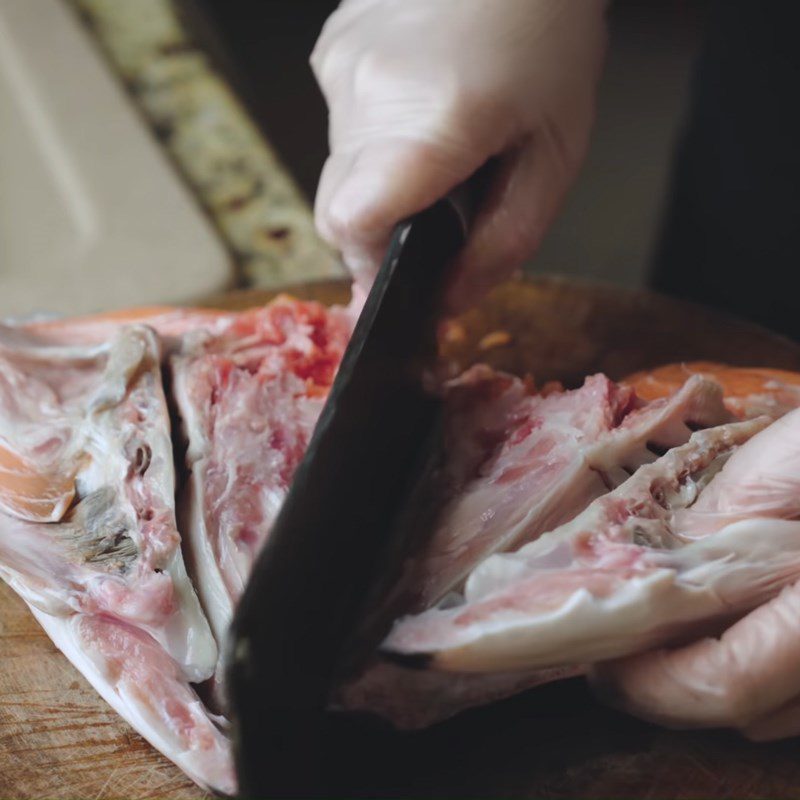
(731, 231)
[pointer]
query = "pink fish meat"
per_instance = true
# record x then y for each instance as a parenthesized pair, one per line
(573, 526)
(520, 463)
(99, 561)
(628, 573)
(517, 465)
(249, 397)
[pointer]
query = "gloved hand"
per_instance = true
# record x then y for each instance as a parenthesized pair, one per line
(422, 92)
(749, 678)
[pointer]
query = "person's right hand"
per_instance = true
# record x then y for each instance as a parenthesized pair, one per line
(422, 92)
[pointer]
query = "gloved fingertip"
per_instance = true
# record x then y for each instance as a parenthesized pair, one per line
(364, 270)
(334, 174)
(355, 215)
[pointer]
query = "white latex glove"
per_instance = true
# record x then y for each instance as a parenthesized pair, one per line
(749, 678)
(422, 92)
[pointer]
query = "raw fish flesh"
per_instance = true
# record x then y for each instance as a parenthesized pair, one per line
(749, 391)
(249, 396)
(169, 322)
(519, 463)
(632, 571)
(574, 526)
(88, 535)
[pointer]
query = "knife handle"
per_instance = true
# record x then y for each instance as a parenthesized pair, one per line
(466, 199)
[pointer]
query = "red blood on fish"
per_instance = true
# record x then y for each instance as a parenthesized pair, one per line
(250, 396)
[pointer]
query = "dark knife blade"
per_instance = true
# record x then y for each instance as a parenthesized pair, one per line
(312, 577)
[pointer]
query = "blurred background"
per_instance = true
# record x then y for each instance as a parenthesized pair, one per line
(161, 150)
(608, 226)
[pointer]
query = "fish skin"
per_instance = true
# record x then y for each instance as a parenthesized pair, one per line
(749, 391)
(169, 322)
(412, 699)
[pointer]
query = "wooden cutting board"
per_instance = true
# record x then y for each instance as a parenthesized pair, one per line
(58, 739)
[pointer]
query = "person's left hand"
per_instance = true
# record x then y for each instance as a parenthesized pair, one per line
(748, 678)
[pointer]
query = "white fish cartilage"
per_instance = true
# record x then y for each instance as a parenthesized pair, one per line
(550, 457)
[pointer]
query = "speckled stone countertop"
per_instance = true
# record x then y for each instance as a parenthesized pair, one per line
(254, 203)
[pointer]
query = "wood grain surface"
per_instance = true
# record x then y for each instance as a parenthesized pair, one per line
(58, 739)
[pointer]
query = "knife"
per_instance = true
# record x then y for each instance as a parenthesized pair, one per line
(313, 576)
